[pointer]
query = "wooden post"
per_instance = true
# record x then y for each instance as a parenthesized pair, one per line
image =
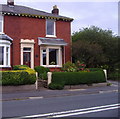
(36, 81)
(49, 74)
(105, 71)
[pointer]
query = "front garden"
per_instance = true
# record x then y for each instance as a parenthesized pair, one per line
(70, 74)
(20, 75)
(76, 74)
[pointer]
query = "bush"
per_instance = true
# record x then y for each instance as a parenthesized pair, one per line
(114, 76)
(95, 69)
(19, 77)
(20, 67)
(69, 67)
(55, 86)
(76, 78)
(42, 72)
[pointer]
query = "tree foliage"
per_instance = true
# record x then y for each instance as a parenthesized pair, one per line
(96, 47)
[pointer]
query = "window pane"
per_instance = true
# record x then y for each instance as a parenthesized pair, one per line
(26, 49)
(44, 59)
(50, 27)
(53, 56)
(44, 56)
(1, 55)
(0, 26)
(7, 57)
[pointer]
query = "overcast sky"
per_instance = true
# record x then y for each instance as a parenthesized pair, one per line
(100, 13)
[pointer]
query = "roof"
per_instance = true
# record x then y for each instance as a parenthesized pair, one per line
(29, 12)
(5, 37)
(49, 41)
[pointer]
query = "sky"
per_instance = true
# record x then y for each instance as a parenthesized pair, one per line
(86, 13)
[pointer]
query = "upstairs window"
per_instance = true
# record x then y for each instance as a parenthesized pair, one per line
(1, 23)
(50, 28)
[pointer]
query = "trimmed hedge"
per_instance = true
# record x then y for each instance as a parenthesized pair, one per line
(19, 77)
(76, 78)
(95, 69)
(42, 72)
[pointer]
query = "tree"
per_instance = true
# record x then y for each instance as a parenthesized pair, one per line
(95, 46)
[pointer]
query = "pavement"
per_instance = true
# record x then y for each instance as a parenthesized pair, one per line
(46, 93)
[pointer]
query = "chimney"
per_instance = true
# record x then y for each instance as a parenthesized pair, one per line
(55, 10)
(10, 2)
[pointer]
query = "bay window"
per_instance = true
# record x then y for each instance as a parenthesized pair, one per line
(1, 55)
(4, 56)
(51, 57)
(1, 23)
(5, 44)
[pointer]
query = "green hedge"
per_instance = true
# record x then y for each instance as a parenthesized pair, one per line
(76, 78)
(95, 69)
(19, 77)
(42, 72)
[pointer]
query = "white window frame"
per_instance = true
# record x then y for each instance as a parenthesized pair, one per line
(4, 61)
(59, 58)
(54, 35)
(2, 22)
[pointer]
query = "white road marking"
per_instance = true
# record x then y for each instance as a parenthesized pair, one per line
(35, 97)
(85, 112)
(108, 91)
(76, 89)
(75, 112)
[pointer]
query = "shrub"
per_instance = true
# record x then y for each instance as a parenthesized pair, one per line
(114, 76)
(20, 67)
(69, 67)
(42, 72)
(75, 78)
(55, 86)
(80, 65)
(19, 77)
(95, 69)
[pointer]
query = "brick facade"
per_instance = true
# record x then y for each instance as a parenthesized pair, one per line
(21, 27)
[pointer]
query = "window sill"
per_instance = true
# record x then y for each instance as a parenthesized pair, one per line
(52, 36)
(52, 66)
(2, 66)
(1, 32)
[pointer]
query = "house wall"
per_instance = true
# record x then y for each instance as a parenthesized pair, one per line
(31, 28)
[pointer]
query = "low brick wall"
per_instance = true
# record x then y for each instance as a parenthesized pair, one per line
(85, 86)
(5, 89)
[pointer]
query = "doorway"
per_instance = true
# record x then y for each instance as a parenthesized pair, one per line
(27, 56)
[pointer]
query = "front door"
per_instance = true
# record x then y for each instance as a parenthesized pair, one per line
(27, 58)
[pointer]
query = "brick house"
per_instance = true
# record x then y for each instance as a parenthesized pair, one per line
(33, 37)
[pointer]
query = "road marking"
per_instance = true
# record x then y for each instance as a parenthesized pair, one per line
(108, 91)
(76, 89)
(78, 113)
(75, 112)
(35, 97)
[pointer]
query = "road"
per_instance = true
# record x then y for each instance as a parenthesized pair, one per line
(102, 104)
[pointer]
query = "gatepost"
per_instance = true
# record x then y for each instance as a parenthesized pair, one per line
(36, 80)
(49, 74)
(105, 71)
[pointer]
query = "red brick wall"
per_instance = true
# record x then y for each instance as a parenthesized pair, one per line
(32, 28)
(64, 32)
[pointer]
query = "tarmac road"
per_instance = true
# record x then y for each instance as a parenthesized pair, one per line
(92, 102)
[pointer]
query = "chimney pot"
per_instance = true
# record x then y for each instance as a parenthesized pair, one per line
(55, 10)
(10, 2)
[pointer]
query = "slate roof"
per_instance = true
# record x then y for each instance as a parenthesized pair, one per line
(49, 41)
(5, 37)
(27, 11)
